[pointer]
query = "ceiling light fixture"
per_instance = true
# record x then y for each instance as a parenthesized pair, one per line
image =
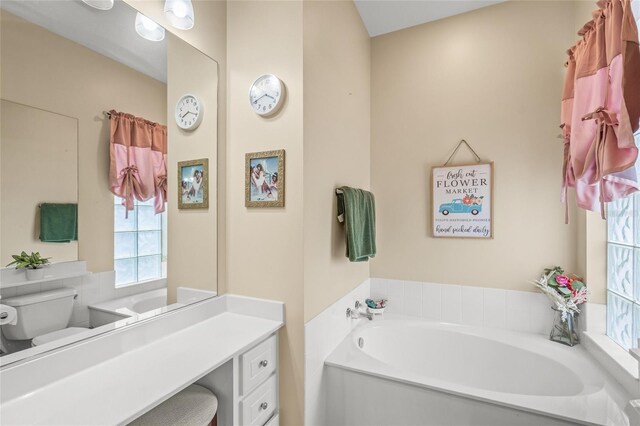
(148, 29)
(99, 4)
(179, 13)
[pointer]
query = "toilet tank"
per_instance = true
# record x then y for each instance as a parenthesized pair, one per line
(40, 313)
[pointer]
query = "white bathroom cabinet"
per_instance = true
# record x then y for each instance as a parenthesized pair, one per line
(220, 343)
(247, 386)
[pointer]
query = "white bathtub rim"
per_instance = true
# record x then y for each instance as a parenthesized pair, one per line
(127, 302)
(589, 407)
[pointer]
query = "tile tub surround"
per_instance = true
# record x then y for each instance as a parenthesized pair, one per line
(91, 288)
(322, 334)
(524, 311)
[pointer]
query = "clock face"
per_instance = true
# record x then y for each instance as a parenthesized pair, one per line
(266, 94)
(189, 112)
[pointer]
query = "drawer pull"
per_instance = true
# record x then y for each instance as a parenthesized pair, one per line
(263, 363)
(264, 405)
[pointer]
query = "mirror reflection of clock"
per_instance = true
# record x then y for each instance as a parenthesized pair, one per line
(266, 95)
(189, 112)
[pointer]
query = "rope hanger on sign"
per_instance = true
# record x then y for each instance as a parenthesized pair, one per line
(462, 141)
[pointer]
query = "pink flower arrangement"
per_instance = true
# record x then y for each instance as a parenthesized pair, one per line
(565, 281)
(566, 292)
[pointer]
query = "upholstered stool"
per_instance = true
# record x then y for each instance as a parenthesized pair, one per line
(193, 406)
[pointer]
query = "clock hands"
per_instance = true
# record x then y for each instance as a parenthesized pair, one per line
(265, 94)
(186, 113)
(256, 101)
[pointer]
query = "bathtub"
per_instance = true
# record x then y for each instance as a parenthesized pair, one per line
(136, 306)
(414, 372)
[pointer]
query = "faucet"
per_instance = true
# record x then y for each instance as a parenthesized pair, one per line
(357, 313)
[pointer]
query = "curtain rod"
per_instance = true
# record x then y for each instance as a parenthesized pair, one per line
(107, 113)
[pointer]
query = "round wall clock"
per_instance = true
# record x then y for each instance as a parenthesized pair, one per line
(189, 112)
(266, 95)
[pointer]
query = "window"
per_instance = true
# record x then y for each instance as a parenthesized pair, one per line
(140, 243)
(623, 260)
(623, 269)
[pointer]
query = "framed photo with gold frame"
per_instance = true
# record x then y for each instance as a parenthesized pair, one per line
(193, 184)
(264, 179)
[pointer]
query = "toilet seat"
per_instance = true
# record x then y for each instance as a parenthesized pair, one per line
(58, 334)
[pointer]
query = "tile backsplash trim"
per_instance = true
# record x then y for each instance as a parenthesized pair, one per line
(12, 277)
(528, 312)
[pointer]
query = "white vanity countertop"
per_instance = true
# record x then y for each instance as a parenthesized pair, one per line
(123, 387)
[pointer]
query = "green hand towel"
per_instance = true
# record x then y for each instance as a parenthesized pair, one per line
(359, 212)
(58, 223)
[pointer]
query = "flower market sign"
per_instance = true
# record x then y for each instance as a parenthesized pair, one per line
(462, 200)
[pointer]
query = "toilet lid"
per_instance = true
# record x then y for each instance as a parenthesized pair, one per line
(58, 334)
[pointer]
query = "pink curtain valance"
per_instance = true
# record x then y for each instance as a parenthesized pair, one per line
(138, 165)
(601, 108)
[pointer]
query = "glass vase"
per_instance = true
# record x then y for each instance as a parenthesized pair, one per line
(565, 330)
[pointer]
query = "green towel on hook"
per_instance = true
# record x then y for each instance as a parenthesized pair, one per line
(357, 208)
(58, 223)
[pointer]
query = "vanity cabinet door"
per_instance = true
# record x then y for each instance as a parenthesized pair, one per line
(257, 364)
(274, 421)
(256, 408)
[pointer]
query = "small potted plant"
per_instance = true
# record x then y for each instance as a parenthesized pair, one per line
(567, 292)
(32, 263)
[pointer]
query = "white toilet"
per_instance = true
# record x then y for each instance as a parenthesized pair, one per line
(42, 317)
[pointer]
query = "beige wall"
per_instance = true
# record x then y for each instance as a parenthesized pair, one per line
(192, 239)
(336, 144)
(493, 77)
(209, 35)
(264, 245)
(33, 144)
(78, 83)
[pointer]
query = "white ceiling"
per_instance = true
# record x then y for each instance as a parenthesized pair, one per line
(385, 16)
(111, 33)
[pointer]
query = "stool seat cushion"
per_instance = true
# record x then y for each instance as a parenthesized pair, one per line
(193, 406)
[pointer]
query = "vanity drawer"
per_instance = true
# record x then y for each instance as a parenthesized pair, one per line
(256, 408)
(257, 364)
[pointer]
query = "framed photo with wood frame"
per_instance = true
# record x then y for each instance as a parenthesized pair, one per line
(264, 179)
(462, 200)
(193, 184)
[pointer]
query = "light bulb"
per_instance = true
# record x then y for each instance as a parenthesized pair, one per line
(99, 4)
(180, 13)
(148, 23)
(180, 10)
(148, 29)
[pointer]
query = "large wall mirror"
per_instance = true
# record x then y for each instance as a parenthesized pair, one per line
(87, 101)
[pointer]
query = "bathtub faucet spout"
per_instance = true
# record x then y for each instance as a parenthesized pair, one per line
(356, 314)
